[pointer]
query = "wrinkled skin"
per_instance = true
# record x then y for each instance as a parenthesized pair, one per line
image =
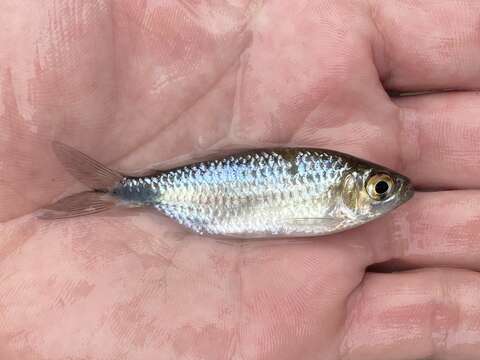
(133, 83)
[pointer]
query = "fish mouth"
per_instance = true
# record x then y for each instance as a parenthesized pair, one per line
(406, 190)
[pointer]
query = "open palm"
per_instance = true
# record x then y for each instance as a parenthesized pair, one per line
(135, 83)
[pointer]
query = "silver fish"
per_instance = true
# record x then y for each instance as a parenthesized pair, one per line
(286, 192)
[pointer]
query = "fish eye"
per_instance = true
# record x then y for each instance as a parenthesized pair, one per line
(379, 186)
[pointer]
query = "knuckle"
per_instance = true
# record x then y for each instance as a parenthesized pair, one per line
(444, 312)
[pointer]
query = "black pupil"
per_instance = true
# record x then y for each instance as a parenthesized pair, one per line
(381, 187)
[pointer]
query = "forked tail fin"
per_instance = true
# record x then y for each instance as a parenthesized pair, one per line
(84, 203)
(90, 173)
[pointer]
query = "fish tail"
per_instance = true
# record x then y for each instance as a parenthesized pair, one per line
(88, 171)
(84, 203)
(100, 179)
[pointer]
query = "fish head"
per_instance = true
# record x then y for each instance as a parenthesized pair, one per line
(370, 192)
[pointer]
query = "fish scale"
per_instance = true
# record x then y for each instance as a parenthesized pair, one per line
(248, 194)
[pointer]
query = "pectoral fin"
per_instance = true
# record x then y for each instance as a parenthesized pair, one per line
(320, 222)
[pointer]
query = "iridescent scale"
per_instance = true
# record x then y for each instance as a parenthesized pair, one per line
(267, 193)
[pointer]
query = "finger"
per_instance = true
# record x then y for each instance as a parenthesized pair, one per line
(428, 44)
(437, 229)
(438, 140)
(433, 139)
(428, 314)
(433, 230)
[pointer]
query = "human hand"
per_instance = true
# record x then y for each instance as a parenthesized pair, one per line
(132, 83)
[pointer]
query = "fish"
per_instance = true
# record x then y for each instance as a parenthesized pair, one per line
(260, 193)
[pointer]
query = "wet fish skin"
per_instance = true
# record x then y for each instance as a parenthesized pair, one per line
(286, 192)
(266, 193)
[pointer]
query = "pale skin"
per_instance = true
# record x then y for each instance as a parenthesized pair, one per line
(136, 83)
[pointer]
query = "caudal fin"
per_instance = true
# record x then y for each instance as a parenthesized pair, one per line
(88, 171)
(85, 203)
(92, 174)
